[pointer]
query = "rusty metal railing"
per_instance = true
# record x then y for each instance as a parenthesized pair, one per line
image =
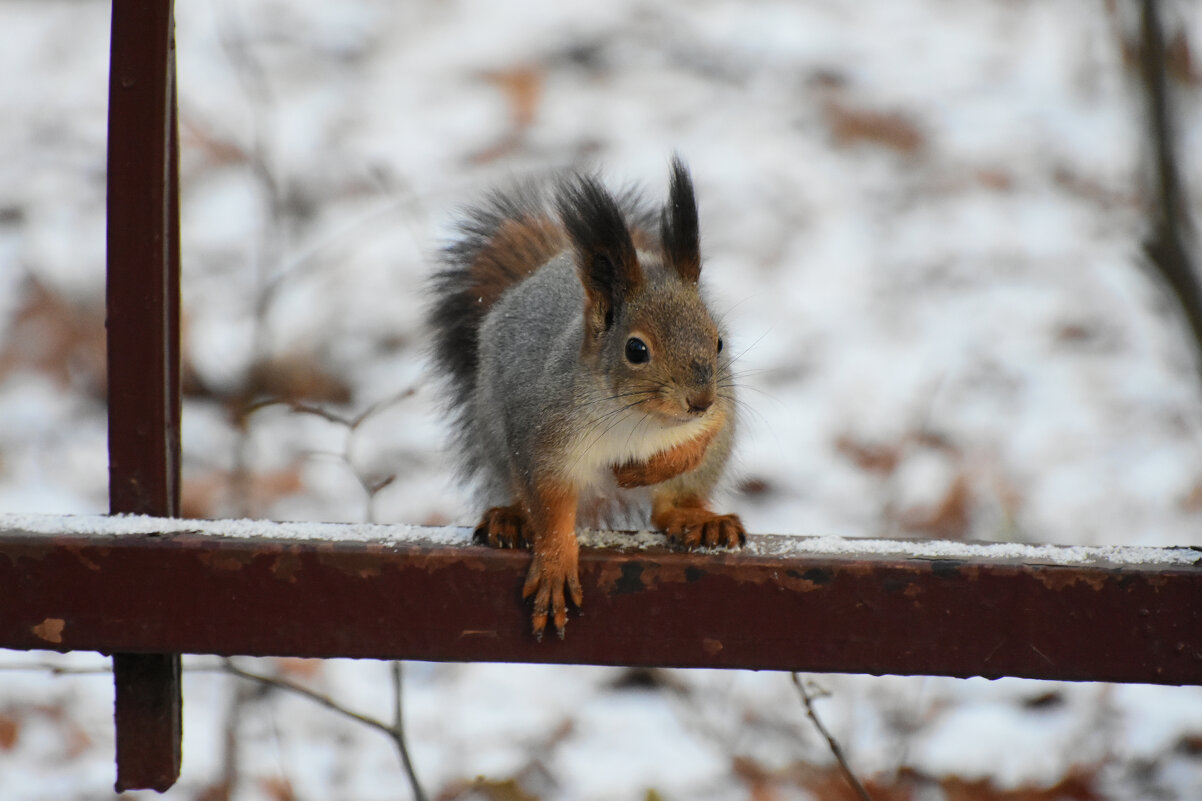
(142, 302)
(783, 603)
(147, 597)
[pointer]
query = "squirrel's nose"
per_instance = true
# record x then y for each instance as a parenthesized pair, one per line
(699, 403)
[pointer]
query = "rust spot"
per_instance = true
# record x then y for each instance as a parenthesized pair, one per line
(623, 575)
(946, 568)
(1059, 578)
(225, 560)
(50, 630)
(1157, 580)
(818, 576)
(804, 581)
(286, 566)
(711, 646)
(477, 562)
(631, 579)
(364, 564)
(78, 552)
(490, 634)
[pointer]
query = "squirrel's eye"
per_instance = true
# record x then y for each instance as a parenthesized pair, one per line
(636, 351)
(719, 344)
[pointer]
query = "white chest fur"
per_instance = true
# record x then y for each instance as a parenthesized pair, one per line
(624, 436)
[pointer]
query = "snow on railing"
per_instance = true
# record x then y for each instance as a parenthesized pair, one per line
(142, 584)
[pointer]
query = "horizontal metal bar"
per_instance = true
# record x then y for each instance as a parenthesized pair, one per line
(783, 603)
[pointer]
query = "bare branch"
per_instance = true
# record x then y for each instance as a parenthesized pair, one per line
(56, 670)
(298, 689)
(836, 750)
(395, 730)
(1169, 242)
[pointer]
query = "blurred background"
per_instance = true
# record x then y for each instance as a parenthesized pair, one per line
(925, 222)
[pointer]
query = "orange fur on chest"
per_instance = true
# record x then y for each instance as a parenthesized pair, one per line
(666, 464)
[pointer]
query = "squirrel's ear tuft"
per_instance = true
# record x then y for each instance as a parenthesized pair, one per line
(678, 225)
(605, 254)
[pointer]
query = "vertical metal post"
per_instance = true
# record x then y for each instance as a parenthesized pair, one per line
(143, 352)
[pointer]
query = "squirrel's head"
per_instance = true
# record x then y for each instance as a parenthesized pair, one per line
(646, 326)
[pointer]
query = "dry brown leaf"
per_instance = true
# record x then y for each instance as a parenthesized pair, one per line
(761, 782)
(756, 486)
(870, 456)
(296, 378)
(297, 668)
(828, 783)
(79, 742)
(1073, 787)
(950, 519)
(197, 138)
(1190, 745)
(500, 790)
(996, 179)
(58, 337)
(1192, 502)
(10, 732)
(522, 87)
(215, 792)
(889, 129)
(1179, 60)
(278, 788)
(211, 494)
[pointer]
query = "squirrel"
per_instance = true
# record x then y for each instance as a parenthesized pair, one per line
(584, 367)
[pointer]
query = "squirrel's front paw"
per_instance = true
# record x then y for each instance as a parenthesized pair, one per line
(693, 528)
(504, 527)
(550, 574)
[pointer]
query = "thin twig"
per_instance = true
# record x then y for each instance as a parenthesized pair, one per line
(395, 730)
(830, 741)
(1168, 244)
(298, 689)
(398, 734)
(57, 670)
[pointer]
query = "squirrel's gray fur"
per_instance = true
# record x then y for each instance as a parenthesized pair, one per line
(537, 387)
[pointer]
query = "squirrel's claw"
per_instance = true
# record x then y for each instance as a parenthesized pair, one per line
(546, 582)
(504, 527)
(694, 528)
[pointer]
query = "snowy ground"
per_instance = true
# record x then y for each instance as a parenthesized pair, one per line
(921, 219)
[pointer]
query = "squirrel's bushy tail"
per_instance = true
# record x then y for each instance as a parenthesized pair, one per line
(498, 243)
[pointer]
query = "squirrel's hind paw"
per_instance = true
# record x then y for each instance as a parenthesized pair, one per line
(504, 527)
(693, 528)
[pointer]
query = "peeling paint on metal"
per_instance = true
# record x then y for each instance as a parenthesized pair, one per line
(1060, 578)
(51, 630)
(631, 579)
(286, 565)
(225, 560)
